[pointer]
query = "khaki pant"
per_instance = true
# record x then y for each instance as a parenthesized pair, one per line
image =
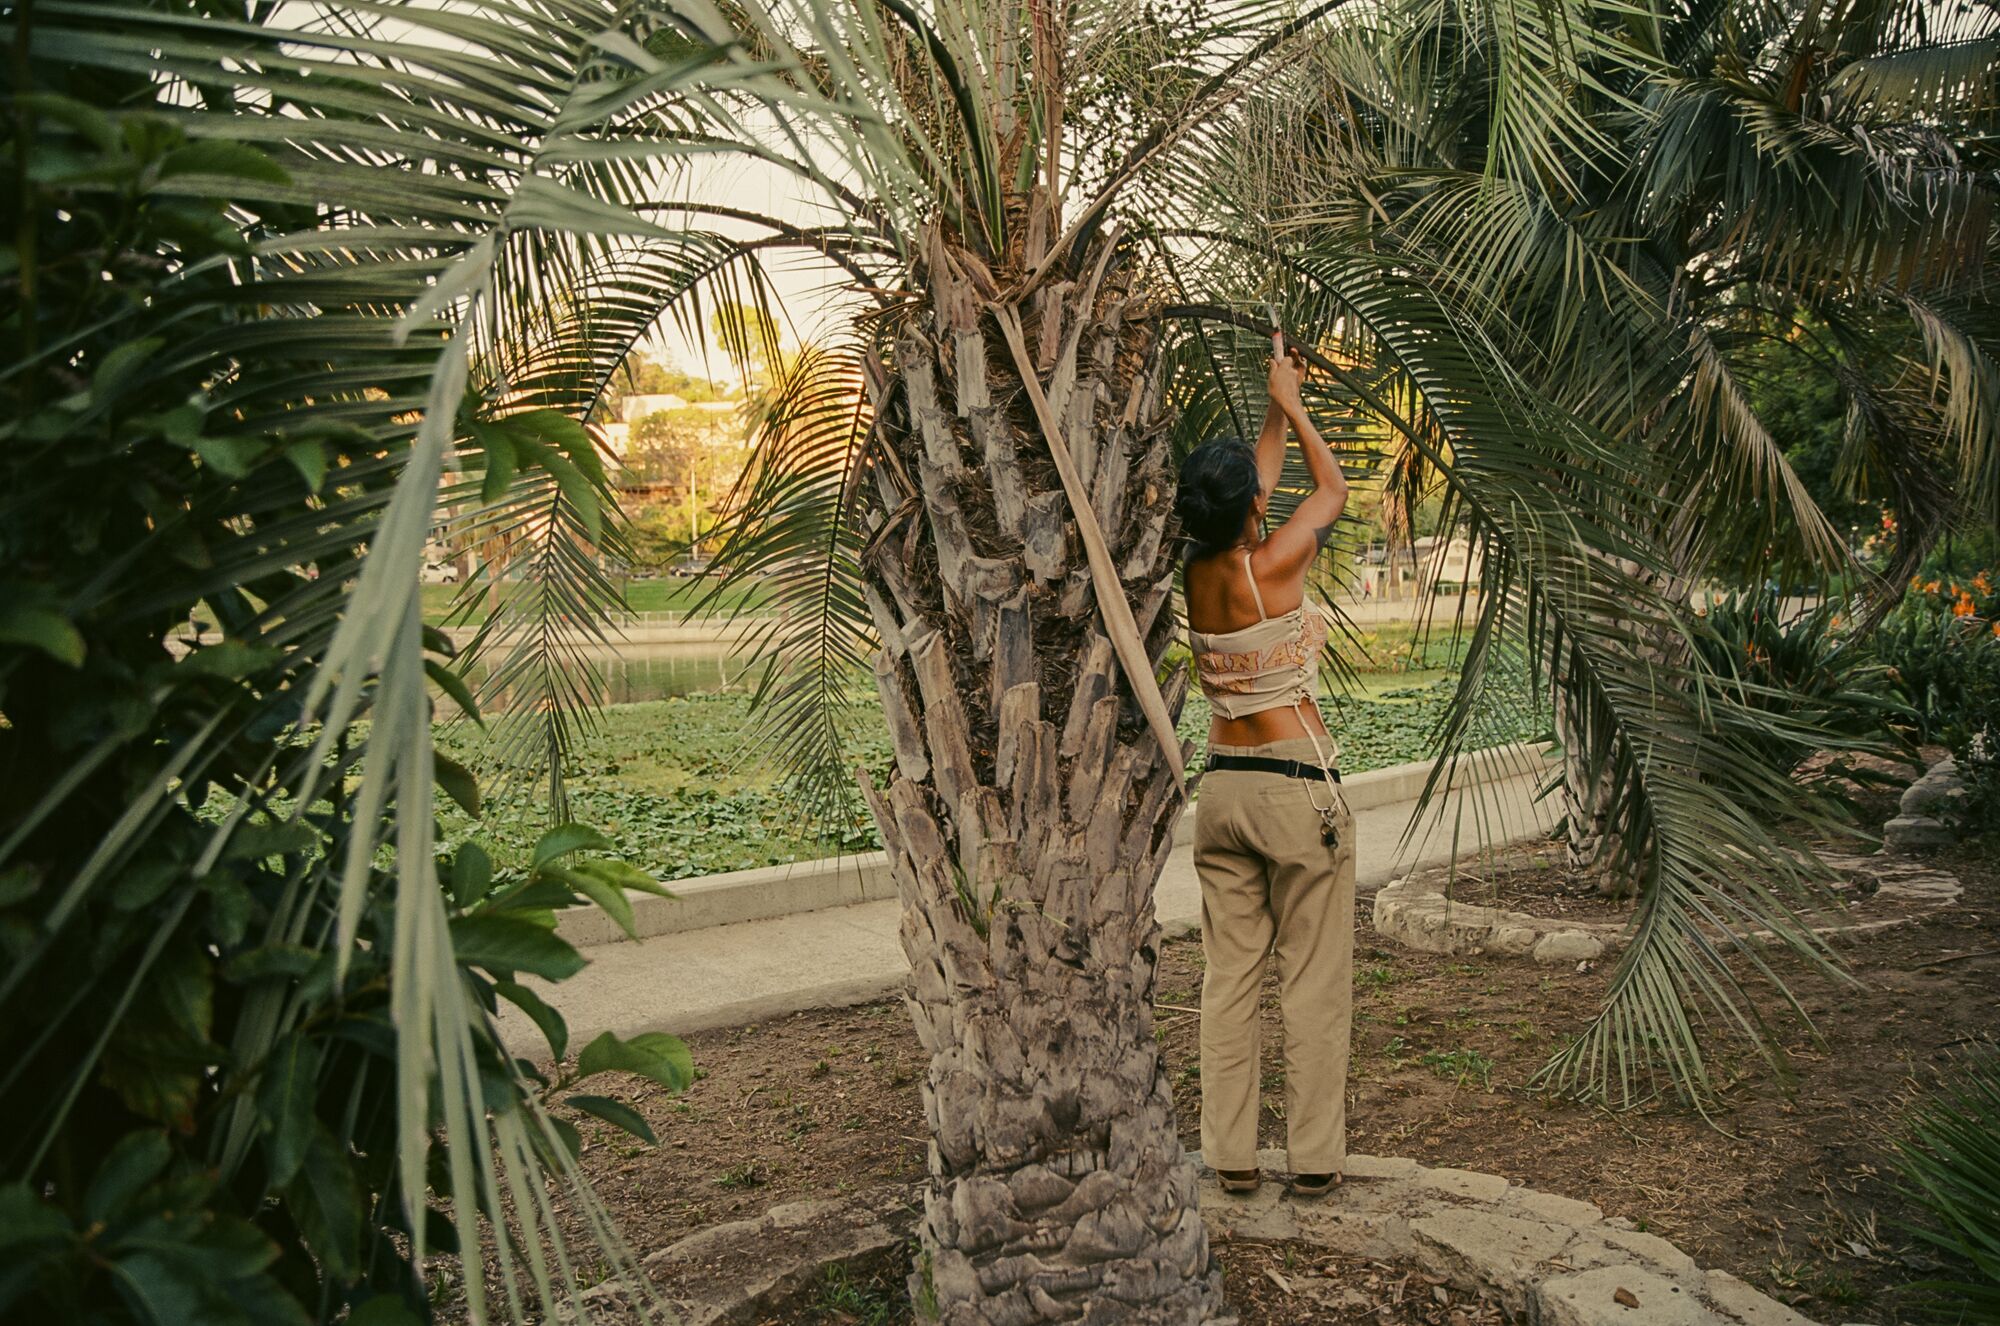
(1269, 882)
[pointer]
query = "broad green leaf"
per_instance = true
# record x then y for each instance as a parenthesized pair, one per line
(231, 457)
(566, 838)
(228, 659)
(44, 629)
(503, 943)
(614, 1112)
(308, 457)
(17, 883)
(454, 685)
(25, 1218)
(136, 1160)
(558, 429)
(500, 462)
(623, 874)
(459, 783)
(219, 156)
(120, 364)
(287, 1100)
(609, 897)
(553, 1028)
(471, 874)
(327, 1202)
(575, 486)
(653, 1055)
(272, 962)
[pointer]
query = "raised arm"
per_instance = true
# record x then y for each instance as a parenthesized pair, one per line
(1296, 542)
(1271, 448)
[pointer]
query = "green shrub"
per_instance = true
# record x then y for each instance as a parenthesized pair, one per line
(1817, 684)
(1950, 1165)
(218, 1060)
(1942, 644)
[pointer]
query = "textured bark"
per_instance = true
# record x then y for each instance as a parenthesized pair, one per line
(1031, 810)
(1594, 852)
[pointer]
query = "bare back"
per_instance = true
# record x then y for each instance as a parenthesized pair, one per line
(1220, 598)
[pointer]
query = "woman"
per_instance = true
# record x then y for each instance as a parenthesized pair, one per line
(1274, 842)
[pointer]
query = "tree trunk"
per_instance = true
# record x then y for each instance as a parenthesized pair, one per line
(1031, 809)
(1590, 844)
(1594, 852)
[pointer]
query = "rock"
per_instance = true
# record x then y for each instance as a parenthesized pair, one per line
(730, 1273)
(1556, 1210)
(1932, 794)
(1620, 1247)
(1502, 1253)
(1740, 1303)
(1915, 833)
(1464, 1183)
(1380, 1167)
(1592, 1298)
(1567, 946)
(1512, 941)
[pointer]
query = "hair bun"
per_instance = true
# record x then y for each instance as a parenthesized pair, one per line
(1218, 487)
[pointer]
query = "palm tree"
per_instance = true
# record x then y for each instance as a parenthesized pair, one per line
(1728, 178)
(1052, 321)
(1802, 177)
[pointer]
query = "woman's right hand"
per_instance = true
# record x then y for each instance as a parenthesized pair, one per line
(1287, 371)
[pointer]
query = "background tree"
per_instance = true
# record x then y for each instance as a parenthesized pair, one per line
(1732, 188)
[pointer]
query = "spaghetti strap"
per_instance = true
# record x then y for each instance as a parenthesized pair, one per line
(1251, 576)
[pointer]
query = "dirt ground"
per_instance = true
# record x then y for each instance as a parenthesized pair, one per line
(1788, 1186)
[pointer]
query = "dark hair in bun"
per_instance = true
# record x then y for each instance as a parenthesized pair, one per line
(1218, 487)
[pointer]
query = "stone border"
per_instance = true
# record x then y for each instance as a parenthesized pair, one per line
(1415, 912)
(1560, 1261)
(809, 886)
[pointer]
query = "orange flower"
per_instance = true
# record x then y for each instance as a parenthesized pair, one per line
(1996, 630)
(1963, 608)
(1982, 584)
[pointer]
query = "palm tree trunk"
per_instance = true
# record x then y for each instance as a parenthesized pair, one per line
(1594, 853)
(1031, 809)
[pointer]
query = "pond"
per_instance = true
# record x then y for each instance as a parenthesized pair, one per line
(654, 672)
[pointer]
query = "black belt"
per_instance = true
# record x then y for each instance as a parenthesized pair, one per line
(1258, 764)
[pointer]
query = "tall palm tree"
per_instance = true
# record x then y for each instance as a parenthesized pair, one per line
(1052, 321)
(1733, 177)
(1800, 176)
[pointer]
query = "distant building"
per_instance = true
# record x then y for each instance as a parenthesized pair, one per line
(618, 434)
(1450, 561)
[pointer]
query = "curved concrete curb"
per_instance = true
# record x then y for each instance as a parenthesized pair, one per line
(1560, 1261)
(810, 886)
(1415, 912)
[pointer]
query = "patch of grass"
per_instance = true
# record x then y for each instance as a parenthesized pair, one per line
(1463, 1066)
(1380, 975)
(750, 1174)
(846, 1299)
(670, 781)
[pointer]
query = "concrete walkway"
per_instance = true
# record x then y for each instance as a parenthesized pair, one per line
(728, 975)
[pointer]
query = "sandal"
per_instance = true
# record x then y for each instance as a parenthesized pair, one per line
(1239, 1180)
(1313, 1185)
